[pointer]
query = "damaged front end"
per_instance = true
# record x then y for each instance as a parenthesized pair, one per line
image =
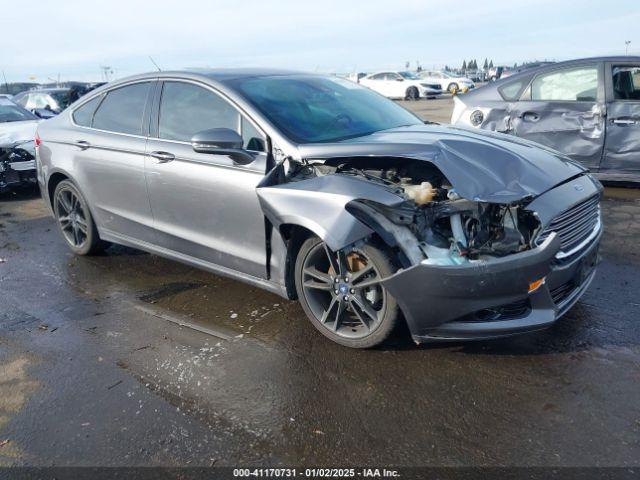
(468, 268)
(17, 165)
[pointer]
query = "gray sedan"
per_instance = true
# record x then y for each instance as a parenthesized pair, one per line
(317, 189)
(588, 109)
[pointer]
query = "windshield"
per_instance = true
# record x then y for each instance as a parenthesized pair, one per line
(310, 109)
(409, 75)
(10, 112)
(62, 98)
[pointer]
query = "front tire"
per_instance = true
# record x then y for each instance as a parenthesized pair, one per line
(74, 220)
(453, 88)
(341, 294)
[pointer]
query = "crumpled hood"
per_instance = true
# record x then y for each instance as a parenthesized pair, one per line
(481, 166)
(13, 132)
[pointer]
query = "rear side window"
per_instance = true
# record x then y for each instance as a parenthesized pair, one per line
(186, 109)
(122, 110)
(571, 84)
(84, 115)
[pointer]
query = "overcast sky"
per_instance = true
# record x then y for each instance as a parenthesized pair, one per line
(71, 38)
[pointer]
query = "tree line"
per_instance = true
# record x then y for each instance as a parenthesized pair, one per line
(472, 65)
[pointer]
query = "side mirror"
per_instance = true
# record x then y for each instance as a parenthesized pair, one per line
(221, 141)
(43, 113)
(400, 79)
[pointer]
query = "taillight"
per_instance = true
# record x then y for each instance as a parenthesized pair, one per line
(37, 140)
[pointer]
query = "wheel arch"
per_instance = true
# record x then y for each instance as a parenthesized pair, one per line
(54, 179)
(294, 235)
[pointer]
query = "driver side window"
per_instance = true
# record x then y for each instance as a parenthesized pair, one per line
(186, 109)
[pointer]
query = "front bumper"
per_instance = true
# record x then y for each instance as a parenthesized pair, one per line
(491, 299)
(17, 164)
(429, 92)
(17, 173)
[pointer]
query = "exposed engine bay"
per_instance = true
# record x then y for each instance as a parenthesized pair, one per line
(433, 224)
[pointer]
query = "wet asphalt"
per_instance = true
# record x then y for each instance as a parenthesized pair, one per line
(96, 370)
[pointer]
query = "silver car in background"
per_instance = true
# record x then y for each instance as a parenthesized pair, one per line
(588, 109)
(316, 188)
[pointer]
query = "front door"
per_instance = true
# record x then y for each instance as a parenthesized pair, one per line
(204, 205)
(564, 109)
(622, 145)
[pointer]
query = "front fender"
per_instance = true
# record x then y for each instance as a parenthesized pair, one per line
(318, 204)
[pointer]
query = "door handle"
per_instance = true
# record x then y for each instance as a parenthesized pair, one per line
(163, 157)
(83, 144)
(623, 121)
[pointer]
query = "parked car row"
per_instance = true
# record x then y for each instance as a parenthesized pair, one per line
(413, 85)
(401, 85)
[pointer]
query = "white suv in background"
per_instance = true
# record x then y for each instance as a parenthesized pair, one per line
(405, 85)
(448, 83)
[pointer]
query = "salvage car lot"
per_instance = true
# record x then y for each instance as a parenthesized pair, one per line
(93, 358)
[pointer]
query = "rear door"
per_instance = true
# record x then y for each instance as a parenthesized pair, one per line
(622, 144)
(108, 153)
(377, 83)
(205, 205)
(564, 109)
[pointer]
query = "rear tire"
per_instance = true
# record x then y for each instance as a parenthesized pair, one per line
(412, 94)
(362, 314)
(74, 220)
(453, 88)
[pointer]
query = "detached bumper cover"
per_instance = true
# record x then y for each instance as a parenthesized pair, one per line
(445, 302)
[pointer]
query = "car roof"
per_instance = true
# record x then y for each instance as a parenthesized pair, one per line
(618, 58)
(519, 73)
(216, 75)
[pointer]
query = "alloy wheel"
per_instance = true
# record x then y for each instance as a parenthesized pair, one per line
(343, 291)
(71, 217)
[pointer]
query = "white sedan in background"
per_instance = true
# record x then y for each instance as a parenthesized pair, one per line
(405, 85)
(448, 83)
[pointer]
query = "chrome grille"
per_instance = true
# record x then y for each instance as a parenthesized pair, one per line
(574, 226)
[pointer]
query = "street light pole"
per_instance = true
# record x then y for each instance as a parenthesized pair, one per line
(626, 46)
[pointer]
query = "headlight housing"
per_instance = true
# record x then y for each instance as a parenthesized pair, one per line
(476, 118)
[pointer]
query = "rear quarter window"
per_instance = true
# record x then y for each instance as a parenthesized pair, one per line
(83, 116)
(511, 91)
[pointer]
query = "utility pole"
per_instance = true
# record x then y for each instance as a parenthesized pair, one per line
(6, 85)
(626, 46)
(106, 71)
